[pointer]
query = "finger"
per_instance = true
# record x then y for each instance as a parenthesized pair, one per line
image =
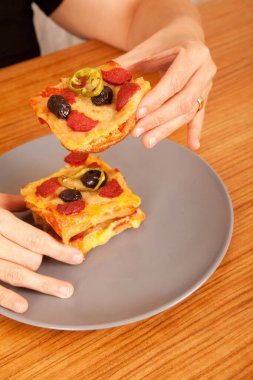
(181, 70)
(151, 138)
(12, 202)
(12, 301)
(182, 103)
(194, 130)
(19, 255)
(195, 125)
(36, 240)
(19, 276)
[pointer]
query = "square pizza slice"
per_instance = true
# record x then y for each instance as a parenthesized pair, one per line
(85, 203)
(93, 109)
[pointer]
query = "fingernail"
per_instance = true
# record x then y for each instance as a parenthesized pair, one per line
(65, 291)
(77, 258)
(197, 145)
(151, 142)
(142, 112)
(138, 131)
(73, 250)
(20, 307)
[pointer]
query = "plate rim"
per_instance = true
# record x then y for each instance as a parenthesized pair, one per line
(91, 327)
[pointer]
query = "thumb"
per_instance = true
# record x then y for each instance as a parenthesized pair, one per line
(157, 62)
(12, 202)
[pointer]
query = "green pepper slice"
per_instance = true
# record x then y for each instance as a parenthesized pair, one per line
(101, 179)
(93, 85)
(74, 182)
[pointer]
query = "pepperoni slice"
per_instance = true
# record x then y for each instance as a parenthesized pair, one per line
(41, 121)
(48, 187)
(94, 165)
(79, 122)
(71, 208)
(78, 236)
(111, 190)
(49, 91)
(117, 76)
(68, 95)
(127, 90)
(76, 158)
(122, 127)
(120, 225)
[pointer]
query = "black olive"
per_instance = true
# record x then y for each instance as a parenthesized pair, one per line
(105, 97)
(91, 178)
(70, 195)
(58, 106)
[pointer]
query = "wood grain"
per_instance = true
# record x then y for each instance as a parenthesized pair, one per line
(209, 335)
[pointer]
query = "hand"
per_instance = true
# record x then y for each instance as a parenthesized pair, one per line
(188, 72)
(22, 247)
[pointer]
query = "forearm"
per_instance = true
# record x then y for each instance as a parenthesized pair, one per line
(162, 19)
(126, 24)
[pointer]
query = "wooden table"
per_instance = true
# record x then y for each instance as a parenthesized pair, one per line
(209, 335)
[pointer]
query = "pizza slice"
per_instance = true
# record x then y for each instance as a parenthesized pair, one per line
(93, 109)
(85, 203)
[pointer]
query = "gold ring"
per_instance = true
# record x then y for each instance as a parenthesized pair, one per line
(200, 101)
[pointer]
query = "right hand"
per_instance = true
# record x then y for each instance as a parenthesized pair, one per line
(22, 248)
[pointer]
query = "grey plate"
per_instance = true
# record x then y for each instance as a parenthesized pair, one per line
(140, 272)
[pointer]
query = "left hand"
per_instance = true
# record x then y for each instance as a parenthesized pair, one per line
(189, 70)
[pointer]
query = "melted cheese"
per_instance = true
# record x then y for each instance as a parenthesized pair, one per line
(106, 232)
(99, 234)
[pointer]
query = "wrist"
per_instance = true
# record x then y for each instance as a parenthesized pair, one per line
(184, 28)
(181, 30)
